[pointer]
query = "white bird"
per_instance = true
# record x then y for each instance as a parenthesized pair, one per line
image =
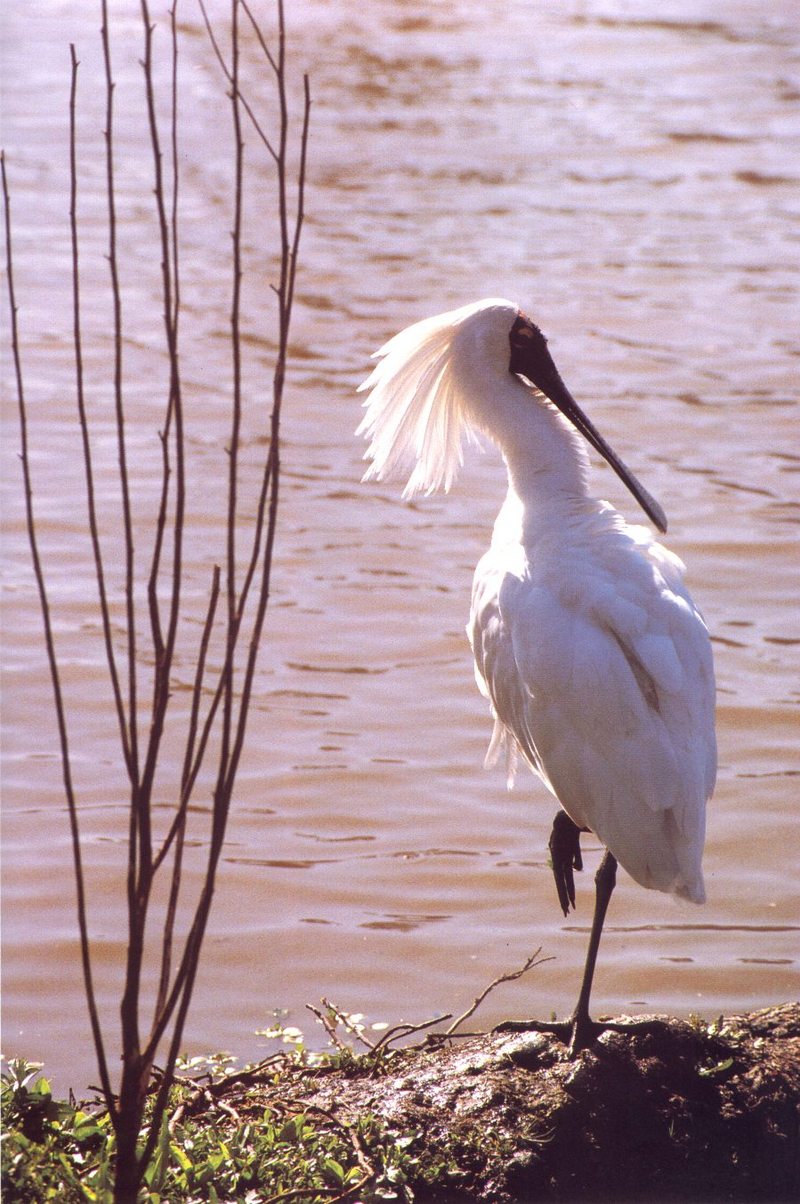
(595, 660)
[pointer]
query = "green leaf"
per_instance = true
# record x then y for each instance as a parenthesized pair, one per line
(709, 1071)
(333, 1170)
(293, 1128)
(181, 1156)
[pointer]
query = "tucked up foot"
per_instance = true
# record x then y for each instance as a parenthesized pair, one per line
(565, 856)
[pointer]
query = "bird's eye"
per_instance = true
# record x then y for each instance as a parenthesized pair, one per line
(525, 333)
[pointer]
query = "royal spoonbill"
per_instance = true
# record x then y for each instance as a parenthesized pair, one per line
(595, 660)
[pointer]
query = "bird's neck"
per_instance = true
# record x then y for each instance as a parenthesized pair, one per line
(547, 469)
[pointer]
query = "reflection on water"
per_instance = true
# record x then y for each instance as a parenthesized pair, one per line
(631, 181)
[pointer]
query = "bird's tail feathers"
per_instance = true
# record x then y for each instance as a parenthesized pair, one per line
(694, 892)
(501, 744)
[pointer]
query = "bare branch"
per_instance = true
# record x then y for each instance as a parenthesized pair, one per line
(405, 1030)
(52, 658)
(94, 532)
(127, 520)
(192, 761)
(276, 67)
(272, 471)
(512, 976)
(174, 410)
(178, 826)
(343, 1019)
(330, 1028)
(245, 103)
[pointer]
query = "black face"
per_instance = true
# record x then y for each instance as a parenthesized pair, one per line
(531, 359)
(528, 347)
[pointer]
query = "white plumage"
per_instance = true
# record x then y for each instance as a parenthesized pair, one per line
(595, 660)
(598, 668)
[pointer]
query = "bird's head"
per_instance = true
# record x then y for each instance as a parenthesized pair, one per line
(439, 379)
(530, 358)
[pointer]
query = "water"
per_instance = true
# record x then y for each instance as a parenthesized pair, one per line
(629, 175)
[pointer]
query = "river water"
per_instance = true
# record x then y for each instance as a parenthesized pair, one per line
(628, 172)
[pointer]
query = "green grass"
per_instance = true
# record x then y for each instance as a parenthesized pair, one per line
(57, 1150)
(52, 1150)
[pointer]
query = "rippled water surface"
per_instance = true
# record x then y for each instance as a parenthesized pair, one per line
(629, 174)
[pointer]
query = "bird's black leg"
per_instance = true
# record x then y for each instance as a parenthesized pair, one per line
(565, 856)
(583, 1028)
(580, 1030)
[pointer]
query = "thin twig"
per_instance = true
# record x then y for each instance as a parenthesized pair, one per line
(512, 976)
(55, 677)
(245, 103)
(276, 67)
(348, 1024)
(174, 409)
(285, 307)
(351, 1133)
(236, 420)
(225, 717)
(248, 1074)
(127, 1107)
(171, 286)
(273, 460)
(330, 1029)
(120, 410)
(191, 762)
(88, 466)
(405, 1030)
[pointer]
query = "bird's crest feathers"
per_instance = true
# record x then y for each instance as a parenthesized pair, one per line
(416, 418)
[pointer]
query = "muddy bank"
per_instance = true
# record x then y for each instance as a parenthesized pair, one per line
(674, 1110)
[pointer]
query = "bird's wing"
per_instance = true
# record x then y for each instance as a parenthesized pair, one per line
(497, 672)
(604, 679)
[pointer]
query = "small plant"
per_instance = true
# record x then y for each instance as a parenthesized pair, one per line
(52, 1150)
(206, 1150)
(251, 1134)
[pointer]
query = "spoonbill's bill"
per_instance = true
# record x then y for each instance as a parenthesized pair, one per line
(595, 660)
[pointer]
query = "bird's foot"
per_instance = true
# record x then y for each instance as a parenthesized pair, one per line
(580, 1032)
(576, 1033)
